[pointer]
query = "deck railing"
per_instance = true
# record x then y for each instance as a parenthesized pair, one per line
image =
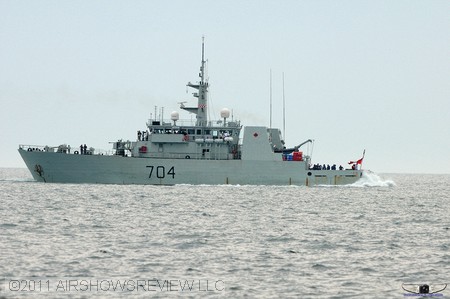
(64, 149)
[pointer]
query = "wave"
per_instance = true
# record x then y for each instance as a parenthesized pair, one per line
(371, 179)
(15, 175)
(17, 180)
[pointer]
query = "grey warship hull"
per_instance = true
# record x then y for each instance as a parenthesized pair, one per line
(102, 169)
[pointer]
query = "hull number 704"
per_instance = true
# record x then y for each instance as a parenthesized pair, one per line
(160, 172)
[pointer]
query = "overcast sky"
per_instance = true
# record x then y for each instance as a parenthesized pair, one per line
(359, 74)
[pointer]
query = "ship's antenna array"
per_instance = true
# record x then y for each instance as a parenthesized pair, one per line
(202, 70)
(284, 112)
(270, 118)
(201, 110)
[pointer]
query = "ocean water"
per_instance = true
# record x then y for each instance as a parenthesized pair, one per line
(105, 241)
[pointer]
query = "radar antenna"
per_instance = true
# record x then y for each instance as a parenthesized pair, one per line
(182, 103)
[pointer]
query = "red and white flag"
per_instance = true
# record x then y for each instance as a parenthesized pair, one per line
(358, 161)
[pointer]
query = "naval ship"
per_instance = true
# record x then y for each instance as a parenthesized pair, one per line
(199, 151)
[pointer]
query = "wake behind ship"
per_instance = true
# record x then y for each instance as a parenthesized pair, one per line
(173, 151)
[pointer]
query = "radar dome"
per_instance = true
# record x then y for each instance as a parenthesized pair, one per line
(225, 113)
(174, 116)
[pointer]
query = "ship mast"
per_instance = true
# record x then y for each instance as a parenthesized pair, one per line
(202, 94)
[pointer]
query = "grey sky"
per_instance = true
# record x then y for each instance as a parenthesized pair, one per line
(359, 75)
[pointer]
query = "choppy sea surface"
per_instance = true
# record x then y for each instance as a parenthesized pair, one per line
(363, 240)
